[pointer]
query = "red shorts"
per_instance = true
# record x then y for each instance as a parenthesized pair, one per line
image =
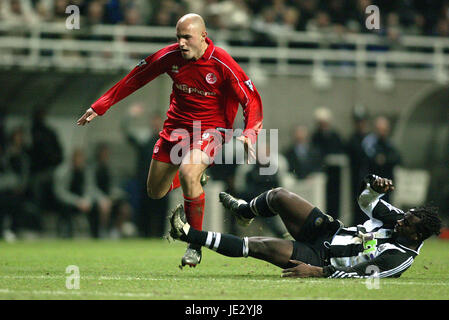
(173, 151)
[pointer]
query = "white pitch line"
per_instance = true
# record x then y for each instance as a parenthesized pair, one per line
(303, 281)
(76, 293)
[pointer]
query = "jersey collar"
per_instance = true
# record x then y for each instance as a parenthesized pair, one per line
(414, 251)
(209, 51)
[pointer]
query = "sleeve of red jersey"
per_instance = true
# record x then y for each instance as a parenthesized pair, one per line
(250, 100)
(148, 69)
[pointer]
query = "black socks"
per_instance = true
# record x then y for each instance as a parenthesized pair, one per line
(259, 206)
(226, 244)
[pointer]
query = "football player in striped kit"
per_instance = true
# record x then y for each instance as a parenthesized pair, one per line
(384, 246)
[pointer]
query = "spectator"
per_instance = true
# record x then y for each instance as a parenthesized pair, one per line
(151, 213)
(381, 152)
(169, 10)
(233, 14)
(393, 29)
(339, 14)
(417, 27)
(19, 12)
(358, 160)
(112, 197)
(357, 20)
(15, 193)
(256, 183)
(46, 155)
(133, 17)
(225, 171)
(77, 194)
(291, 19)
(59, 8)
(266, 28)
(442, 27)
(9, 182)
(302, 156)
(114, 11)
(2, 129)
(320, 23)
(328, 142)
(95, 13)
(325, 137)
(307, 10)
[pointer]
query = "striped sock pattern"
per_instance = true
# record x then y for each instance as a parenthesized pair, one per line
(213, 240)
(260, 206)
(225, 244)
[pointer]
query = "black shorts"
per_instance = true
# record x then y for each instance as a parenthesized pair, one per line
(310, 246)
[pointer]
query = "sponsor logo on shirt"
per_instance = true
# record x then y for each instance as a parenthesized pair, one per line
(211, 78)
(185, 88)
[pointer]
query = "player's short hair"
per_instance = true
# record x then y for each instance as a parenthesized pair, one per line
(430, 223)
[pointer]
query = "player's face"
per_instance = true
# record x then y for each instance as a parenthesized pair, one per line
(406, 226)
(190, 40)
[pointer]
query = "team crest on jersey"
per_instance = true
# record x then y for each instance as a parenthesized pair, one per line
(211, 78)
(174, 68)
(156, 149)
(249, 84)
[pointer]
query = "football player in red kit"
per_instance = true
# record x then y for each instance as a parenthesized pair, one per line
(208, 86)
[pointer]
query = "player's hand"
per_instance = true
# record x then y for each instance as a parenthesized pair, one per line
(301, 270)
(87, 117)
(249, 148)
(382, 185)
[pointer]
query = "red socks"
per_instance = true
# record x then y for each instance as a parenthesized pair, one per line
(194, 209)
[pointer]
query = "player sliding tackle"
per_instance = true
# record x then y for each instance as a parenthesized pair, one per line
(208, 86)
(387, 242)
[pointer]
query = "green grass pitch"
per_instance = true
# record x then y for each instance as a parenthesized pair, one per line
(148, 269)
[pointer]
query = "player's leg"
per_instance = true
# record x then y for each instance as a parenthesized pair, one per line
(160, 178)
(272, 250)
(163, 175)
(294, 210)
(191, 170)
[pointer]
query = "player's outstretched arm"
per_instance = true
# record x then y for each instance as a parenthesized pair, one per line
(87, 117)
(302, 270)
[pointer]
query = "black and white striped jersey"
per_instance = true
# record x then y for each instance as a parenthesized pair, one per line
(359, 252)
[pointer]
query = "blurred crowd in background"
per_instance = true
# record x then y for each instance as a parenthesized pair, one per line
(37, 182)
(414, 17)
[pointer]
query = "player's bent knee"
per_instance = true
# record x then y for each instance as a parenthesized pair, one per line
(154, 194)
(277, 196)
(188, 175)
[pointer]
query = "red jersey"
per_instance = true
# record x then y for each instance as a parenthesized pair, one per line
(209, 90)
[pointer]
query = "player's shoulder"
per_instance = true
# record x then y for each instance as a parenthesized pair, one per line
(171, 47)
(168, 51)
(227, 63)
(223, 57)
